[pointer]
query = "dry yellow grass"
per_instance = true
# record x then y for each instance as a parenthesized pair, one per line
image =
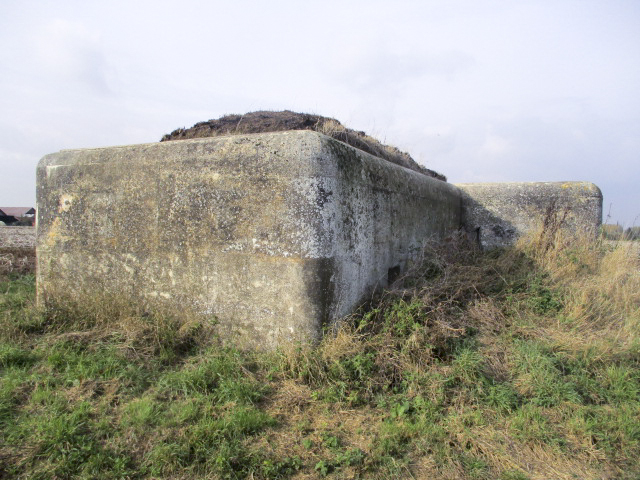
(601, 285)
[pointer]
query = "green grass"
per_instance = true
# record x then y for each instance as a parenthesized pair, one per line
(515, 364)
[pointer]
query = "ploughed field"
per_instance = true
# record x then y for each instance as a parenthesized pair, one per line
(17, 249)
(21, 237)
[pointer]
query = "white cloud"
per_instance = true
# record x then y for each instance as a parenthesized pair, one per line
(70, 53)
(495, 146)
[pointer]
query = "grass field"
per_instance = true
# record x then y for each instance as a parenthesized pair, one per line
(514, 364)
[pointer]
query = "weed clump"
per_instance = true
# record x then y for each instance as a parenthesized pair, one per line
(17, 261)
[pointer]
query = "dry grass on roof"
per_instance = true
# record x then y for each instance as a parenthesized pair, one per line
(268, 121)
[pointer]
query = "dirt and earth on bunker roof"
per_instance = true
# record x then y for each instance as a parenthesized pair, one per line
(268, 121)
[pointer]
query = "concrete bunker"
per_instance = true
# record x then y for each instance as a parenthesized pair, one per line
(496, 214)
(273, 235)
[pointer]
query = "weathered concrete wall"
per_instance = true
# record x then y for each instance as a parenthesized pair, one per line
(497, 213)
(275, 235)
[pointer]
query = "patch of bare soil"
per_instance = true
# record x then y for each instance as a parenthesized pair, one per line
(17, 249)
(267, 121)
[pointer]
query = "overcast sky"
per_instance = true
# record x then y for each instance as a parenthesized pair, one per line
(496, 90)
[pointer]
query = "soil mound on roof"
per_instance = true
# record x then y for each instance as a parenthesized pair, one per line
(266, 121)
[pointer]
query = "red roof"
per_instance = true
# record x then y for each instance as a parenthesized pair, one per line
(17, 211)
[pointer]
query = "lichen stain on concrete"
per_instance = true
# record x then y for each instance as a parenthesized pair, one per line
(66, 200)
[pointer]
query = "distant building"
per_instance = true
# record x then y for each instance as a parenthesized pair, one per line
(11, 215)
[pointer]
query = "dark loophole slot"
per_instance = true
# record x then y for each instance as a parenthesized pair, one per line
(392, 274)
